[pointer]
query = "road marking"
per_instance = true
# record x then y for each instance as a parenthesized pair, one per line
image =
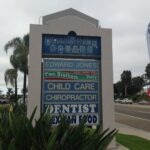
(137, 111)
(144, 112)
(132, 116)
(133, 105)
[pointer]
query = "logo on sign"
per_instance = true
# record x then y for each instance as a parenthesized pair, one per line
(70, 45)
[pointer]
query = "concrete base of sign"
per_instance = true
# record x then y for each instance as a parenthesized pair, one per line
(62, 23)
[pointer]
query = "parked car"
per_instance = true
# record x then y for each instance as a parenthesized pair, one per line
(3, 101)
(126, 101)
(144, 102)
(117, 100)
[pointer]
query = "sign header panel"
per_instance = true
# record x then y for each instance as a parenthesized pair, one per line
(69, 45)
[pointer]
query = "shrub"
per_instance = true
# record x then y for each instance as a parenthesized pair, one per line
(137, 98)
(18, 133)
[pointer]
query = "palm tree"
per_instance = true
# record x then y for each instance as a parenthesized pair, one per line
(24, 62)
(147, 70)
(11, 77)
(20, 53)
(126, 80)
(12, 74)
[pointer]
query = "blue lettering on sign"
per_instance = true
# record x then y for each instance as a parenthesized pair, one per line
(71, 45)
(90, 119)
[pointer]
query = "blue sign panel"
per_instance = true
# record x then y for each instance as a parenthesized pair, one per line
(69, 45)
(71, 87)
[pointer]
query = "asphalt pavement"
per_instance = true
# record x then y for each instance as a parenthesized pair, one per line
(133, 115)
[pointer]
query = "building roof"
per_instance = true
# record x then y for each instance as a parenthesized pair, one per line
(70, 12)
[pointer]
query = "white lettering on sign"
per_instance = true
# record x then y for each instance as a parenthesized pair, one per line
(68, 64)
(67, 86)
(59, 86)
(86, 65)
(84, 86)
(71, 108)
(73, 49)
(70, 40)
(66, 75)
(71, 97)
(53, 64)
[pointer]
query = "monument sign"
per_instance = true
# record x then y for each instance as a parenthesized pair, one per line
(70, 69)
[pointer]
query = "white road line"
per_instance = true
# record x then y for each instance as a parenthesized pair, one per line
(144, 112)
(132, 116)
(137, 111)
(133, 105)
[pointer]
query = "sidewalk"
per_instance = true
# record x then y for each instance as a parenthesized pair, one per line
(130, 131)
(121, 147)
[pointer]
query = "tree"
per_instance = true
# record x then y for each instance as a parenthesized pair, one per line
(11, 77)
(20, 53)
(12, 74)
(23, 58)
(9, 92)
(147, 70)
(119, 89)
(126, 80)
(137, 84)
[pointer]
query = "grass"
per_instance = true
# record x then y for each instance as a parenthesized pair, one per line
(133, 142)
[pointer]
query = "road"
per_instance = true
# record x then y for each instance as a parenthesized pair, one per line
(136, 116)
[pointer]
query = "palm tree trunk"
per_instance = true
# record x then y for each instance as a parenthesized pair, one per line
(24, 86)
(126, 90)
(16, 93)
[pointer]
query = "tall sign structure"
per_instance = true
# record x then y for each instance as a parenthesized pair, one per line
(70, 69)
(148, 39)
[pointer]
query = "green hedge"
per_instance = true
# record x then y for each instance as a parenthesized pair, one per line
(137, 98)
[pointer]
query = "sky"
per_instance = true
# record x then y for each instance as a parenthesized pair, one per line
(128, 20)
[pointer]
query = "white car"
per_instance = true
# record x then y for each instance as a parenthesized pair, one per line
(117, 100)
(126, 101)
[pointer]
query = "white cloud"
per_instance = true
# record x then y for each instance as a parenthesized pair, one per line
(128, 20)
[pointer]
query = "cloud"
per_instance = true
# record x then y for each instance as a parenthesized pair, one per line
(128, 20)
